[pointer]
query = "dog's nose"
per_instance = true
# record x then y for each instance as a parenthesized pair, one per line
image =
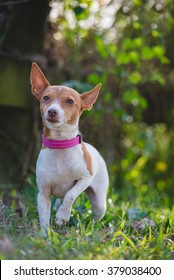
(52, 113)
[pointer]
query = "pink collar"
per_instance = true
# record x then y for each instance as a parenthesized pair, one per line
(61, 144)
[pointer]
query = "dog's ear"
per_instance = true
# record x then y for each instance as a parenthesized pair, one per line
(38, 81)
(89, 98)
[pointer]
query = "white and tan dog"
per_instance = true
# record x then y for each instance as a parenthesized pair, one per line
(66, 166)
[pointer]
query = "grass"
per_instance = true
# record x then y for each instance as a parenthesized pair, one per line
(126, 232)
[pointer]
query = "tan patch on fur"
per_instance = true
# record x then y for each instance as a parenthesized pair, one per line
(88, 158)
(72, 112)
(46, 132)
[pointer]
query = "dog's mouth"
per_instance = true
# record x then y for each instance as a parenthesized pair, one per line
(52, 120)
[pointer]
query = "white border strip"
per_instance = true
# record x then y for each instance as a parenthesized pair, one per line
(86, 269)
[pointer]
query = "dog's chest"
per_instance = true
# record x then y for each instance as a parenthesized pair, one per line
(57, 170)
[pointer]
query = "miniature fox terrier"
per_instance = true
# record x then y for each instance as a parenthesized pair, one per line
(66, 165)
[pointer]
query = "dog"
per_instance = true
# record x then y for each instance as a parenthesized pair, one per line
(66, 166)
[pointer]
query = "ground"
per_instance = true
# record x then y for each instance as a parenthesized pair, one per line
(126, 232)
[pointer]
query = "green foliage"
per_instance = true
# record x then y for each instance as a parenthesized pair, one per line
(132, 60)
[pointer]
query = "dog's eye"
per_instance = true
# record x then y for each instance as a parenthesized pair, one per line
(46, 98)
(70, 101)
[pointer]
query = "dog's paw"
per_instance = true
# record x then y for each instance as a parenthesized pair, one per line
(62, 216)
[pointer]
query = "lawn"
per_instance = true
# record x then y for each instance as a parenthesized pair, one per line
(139, 228)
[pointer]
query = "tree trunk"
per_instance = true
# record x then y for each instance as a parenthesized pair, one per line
(22, 29)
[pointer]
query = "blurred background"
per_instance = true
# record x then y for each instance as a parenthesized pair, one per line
(128, 46)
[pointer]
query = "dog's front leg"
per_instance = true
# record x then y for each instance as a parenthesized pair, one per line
(44, 206)
(64, 211)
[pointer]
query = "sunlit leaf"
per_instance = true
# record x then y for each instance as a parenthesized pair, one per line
(101, 47)
(147, 53)
(155, 33)
(133, 97)
(159, 51)
(135, 77)
(123, 58)
(134, 57)
(157, 77)
(126, 238)
(137, 25)
(94, 78)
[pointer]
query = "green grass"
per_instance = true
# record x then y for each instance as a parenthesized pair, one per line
(129, 230)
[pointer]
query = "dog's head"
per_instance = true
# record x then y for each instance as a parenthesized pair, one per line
(59, 104)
